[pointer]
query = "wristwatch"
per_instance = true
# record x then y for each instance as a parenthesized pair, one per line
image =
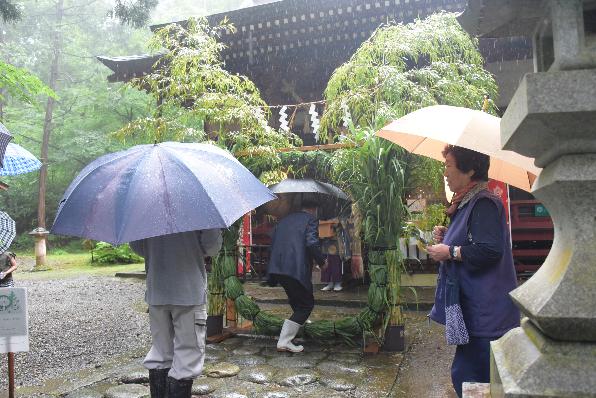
(452, 252)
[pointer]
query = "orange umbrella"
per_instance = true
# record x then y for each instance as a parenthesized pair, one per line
(427, 131)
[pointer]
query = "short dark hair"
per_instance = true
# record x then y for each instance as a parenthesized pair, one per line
(467, 159)
(309, 204)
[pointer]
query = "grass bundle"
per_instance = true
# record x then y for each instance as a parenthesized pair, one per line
(228, 265)
(347, 328)
(267, 324)
(378, 273)
(216, 302)
(366, 319)
(395, 262)
(377, 298)
(247, 307)
(233, 288)
(320, 330)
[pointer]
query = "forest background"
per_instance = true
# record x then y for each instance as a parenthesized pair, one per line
(70, 34)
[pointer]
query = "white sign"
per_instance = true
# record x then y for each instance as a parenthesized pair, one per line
(14, 329)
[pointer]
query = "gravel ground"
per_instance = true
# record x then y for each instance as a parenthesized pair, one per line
(77, 324)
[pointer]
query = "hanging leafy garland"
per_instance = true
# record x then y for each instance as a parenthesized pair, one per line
(399, 69)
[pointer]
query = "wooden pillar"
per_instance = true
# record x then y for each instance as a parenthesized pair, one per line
(231, 317)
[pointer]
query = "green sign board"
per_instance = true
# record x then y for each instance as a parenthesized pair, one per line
(540, 211)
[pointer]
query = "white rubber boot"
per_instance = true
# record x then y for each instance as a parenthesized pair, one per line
(328, 287)
(288, 332)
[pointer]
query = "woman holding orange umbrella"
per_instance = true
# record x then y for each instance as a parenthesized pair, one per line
(476, 272)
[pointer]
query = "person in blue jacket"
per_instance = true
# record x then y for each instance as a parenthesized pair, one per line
(475, 251)
(294, 246)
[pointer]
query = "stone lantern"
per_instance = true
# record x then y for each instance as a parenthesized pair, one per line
(552, 118)
(40, 234)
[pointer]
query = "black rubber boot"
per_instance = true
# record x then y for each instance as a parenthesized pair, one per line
(179, 388)
(158, 382)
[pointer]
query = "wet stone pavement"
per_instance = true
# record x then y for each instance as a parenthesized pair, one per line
(245, 366)
(250, 366)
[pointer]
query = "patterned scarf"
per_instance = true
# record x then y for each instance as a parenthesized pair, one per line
(462, 197)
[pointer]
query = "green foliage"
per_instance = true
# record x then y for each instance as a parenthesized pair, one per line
(195, 93)
(401, 68)
(373, 174)
(10, 11)
(432, 215)
(105, 253)
(311, 164)
(135, 13)
(23, 242)
(271, 177)
(198, 100)
(89, 107)
(348, 328)
(21, 84)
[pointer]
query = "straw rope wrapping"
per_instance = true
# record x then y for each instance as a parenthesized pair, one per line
(346, 328)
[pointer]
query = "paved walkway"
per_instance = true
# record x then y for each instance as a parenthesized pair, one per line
(249, 365)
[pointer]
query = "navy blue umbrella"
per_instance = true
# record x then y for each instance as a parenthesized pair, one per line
(152, 190)
(331, 200)
(308, 185)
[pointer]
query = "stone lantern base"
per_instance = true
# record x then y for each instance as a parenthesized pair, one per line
(40, 234)
(525, 363)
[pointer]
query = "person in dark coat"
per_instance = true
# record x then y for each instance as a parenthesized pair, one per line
(475, 254)
(294, 247)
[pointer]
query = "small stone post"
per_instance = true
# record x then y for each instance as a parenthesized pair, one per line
(40, 234)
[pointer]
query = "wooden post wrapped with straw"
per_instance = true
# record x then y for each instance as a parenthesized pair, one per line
(216, 302)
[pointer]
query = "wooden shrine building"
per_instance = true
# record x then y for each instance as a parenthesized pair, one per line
(290, 48)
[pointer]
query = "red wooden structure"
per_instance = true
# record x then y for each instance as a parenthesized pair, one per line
(532, 234)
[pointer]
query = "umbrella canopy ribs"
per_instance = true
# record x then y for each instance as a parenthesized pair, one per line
(154, 190)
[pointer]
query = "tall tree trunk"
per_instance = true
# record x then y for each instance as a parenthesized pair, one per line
(47, 129)
(47, 124)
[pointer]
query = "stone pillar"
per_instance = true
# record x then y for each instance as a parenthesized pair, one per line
(40, 235)
(552, 117)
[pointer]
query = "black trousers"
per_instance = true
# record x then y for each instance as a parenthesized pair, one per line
(301, 299)
(471, 363)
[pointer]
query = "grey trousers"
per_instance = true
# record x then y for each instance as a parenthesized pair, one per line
(178, 336)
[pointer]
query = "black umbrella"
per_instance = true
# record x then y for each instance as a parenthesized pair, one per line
(331, 199)
(5, 138)
(7, 231)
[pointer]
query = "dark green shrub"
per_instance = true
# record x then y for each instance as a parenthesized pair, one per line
(23, 242)
(107, 254)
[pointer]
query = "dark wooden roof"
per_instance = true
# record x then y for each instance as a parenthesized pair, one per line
(129, 67)
(290, 48)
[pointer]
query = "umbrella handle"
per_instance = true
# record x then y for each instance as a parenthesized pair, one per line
(485, 103)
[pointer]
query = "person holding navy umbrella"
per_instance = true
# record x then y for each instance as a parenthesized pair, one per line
(170, 201)
(177, 298)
